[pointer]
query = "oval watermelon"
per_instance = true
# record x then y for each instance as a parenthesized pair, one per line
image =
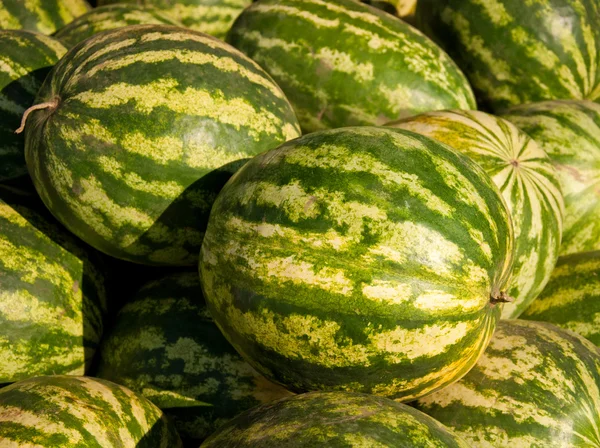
(572, 297)
(528, 181)
(107, 18)
(343, 63)
(362, 259)
(45, 16)
(165, 345)
(144, 125)
(26, 60)
(333, 419)
(63, 411)
(569, 132)
(535, 386)
(516, 51)
(52, 293)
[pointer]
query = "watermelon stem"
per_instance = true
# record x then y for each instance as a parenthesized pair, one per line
(52, 104)
(501, 297)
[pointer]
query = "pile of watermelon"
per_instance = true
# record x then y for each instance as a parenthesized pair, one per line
(300, 223)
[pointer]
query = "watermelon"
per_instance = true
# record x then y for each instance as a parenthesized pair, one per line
(25, 61)
(344, 63)
(536, 385)
(67, 411)
(333, 419)
(569, 132)
(144, 124)
(44, 16)
(165, 346)
(52, 295)
(516, 51)
(363, 259)
(528, 181)
(107, 18)
(572, 297)
(213, 17)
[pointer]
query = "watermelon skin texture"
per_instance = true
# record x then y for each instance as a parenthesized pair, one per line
(314, 267)
(27, 58)
(536, 385)
(45, 16)
(80, 412)
(517, 52)
(52, 298)
(334, 419)
(213, 17)
(571, 299)
(109, 17)
(351, 64)
(528, 182)
(189, 370)
(152, 120)
(569, 132)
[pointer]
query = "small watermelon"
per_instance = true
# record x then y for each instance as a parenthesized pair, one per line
(44, 16)
(165, 346)
(65, 411)
(360, 259)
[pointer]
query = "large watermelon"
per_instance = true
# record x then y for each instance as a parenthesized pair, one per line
(44, 16)
(334, 419)
(165, 345)
(107, 18)
(52, 293)
(516, 51)
(25, 60)
(64, 411)
(572, 297)
(528, 181)
(535, 386)
(143, 127)
(344, 63)
(208, 16)
(569, 132)
(362, 259)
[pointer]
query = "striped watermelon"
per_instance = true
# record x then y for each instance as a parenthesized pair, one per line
(107, 18)
(528, 181)
(25, 60)
(516, 51)
(344, 63)
(52, 293)
(64, 411)
(360, 259)
(44, 16)
(535, 386)
(333, 419)
(165, 346)
(144, 125)
(569, 131)
(213, 17)
(572, 297)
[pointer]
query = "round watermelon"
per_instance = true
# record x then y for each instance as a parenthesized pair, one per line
(107, 18)
(44, 16)
(334, 419)
(64, 411)
(569, 132)
(142, 127)
(516, 51)
(213, 17)
(536, 385)
(572, 297)
(360, 259)
(164, 345)
(26, 60)
(528, 181)
(343, 63)
(52, 293)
